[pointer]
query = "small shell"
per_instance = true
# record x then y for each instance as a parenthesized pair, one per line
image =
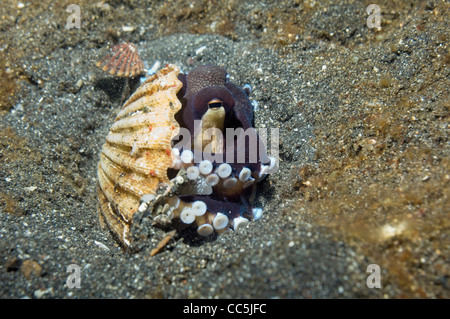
(137, 153)
(124, 60)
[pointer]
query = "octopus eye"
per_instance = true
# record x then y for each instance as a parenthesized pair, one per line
(215, 104)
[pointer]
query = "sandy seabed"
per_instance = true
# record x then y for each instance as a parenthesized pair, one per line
(363, 116)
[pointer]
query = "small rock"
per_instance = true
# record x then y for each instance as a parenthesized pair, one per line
(101, 245)
(127, 28)
(31, 268)
(40, 292)
(79, 84)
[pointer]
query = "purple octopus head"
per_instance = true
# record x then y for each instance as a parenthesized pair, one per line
(225, 149)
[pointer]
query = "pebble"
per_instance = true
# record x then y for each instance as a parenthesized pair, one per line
(31, 268)
(127, 28)
(101, 245)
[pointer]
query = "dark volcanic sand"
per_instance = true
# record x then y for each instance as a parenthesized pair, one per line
(363, 116)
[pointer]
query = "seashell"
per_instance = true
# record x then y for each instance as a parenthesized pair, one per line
(139, 151)
(124, 60)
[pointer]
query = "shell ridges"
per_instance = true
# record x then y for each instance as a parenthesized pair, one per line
(137, 152)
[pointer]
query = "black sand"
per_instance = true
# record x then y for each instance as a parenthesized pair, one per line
(364, 149)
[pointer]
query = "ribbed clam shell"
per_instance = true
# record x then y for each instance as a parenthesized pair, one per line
(123, 60)
(138, 152)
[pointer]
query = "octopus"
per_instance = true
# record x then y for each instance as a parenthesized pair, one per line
(184, 151)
